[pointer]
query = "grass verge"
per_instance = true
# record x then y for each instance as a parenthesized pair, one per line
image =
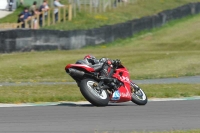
(39, 93)
(54, 93)
(171, 51)
(178, 131)
(141, 8)
(49, 66)
(85, 20)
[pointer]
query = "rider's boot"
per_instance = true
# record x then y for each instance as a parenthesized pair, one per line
(114, 86)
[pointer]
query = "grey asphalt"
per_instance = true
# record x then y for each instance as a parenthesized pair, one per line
(115, 118)
(187, 80)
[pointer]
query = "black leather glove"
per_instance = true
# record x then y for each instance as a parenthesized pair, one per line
(116, 62)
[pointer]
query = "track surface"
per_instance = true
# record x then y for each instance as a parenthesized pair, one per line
(123, 117)
(85, 118)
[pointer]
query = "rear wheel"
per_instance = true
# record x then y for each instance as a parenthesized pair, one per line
(90, 91)
(138, 95)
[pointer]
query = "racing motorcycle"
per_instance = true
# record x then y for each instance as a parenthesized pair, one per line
(100, 90)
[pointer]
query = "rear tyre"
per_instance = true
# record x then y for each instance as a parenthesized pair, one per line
(138, 95)
(92, 94)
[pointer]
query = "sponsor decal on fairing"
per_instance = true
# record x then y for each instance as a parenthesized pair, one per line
(125, 79)
(116, 95)
(127, 94)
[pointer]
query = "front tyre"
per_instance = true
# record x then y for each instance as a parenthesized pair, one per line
(138, 95)
(88, 88)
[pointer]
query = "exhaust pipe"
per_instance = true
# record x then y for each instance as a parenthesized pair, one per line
(75, 73)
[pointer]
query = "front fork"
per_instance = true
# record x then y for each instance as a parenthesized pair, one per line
(134, 87)
(101, 86)
(98, 88)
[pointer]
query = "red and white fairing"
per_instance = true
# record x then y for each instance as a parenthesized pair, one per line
(123, 94)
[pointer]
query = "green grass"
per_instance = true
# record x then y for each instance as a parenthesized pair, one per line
(85, 20)
(39, 93)
(171, 51)
(54, 93)
(171, 90)
(49, 66)
(178, 131)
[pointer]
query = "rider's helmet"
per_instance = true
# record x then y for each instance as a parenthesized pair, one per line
(91, 59)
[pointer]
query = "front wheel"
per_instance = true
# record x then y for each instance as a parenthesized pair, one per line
(90, 91)
(138, 95)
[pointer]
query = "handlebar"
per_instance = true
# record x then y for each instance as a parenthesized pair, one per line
(116, 62)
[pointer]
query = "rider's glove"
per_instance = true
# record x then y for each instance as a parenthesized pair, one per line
(116, 62)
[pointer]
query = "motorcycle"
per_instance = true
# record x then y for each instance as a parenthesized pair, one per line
(100, 90)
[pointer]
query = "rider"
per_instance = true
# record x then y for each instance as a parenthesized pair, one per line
(91, 59)
(104, 66)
